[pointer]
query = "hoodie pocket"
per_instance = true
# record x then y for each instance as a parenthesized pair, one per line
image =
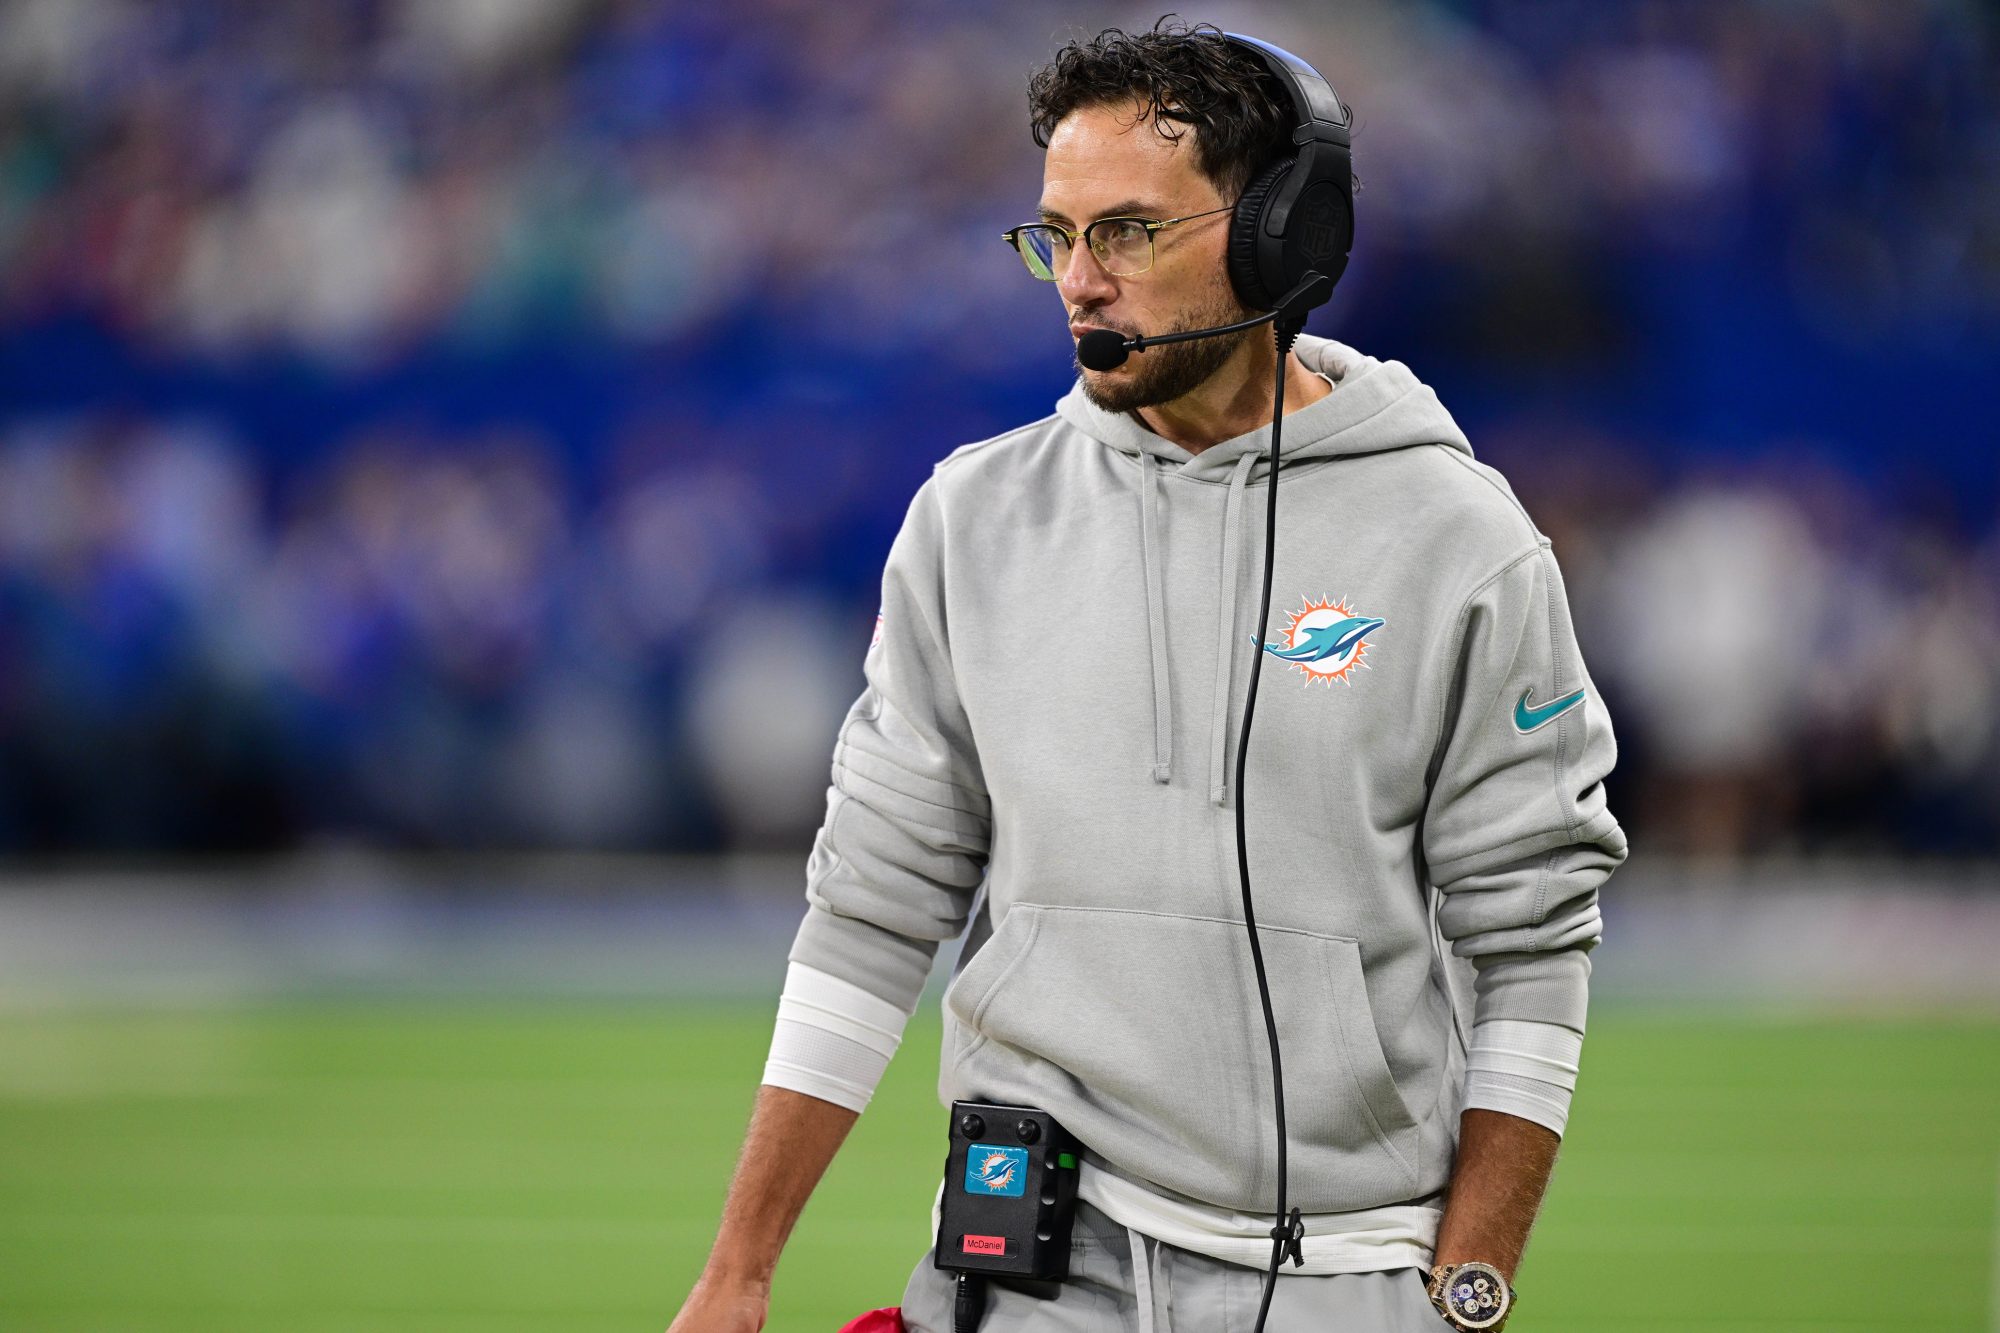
(1141, 1031)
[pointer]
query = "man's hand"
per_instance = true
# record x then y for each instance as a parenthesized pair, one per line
(791, 1140)
(722, 1308)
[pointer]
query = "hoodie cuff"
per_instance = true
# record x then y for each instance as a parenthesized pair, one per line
(1533, 987)
(880, 962)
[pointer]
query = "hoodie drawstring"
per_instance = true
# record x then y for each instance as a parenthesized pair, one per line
(1142, 1279)
(1225, 647)
(1156, 620)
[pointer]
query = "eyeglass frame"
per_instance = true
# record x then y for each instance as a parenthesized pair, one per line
(1013, 238)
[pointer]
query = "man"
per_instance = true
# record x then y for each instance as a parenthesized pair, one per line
(1053, 709)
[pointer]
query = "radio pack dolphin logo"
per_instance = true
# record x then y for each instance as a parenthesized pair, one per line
(1326, 640)
(992, 1169)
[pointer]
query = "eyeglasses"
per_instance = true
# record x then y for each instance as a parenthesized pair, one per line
(1123, 246)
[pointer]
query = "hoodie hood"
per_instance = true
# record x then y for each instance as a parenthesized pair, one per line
(1375, 405)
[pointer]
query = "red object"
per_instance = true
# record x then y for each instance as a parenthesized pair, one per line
(878, 1321)
(986, 1245)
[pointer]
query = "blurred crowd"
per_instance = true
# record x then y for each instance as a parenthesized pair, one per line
(351, 175)
(438, 642)
(429, 639)
(311, 528)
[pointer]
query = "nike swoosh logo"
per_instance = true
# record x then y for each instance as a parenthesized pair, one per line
(1527, 719)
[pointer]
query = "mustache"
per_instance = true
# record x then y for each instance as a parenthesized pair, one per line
(1087, 317)
(1199, 319)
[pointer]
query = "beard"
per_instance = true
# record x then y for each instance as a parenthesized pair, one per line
(1164, 374)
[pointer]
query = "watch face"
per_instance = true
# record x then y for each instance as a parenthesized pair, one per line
(1476, 1295)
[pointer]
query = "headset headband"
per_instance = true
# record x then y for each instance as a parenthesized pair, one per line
(1325, 119)
(1321, 131)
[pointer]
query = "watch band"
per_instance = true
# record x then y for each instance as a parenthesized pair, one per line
(1472, 1296)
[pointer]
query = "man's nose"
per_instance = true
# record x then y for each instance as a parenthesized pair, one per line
(1083, 281)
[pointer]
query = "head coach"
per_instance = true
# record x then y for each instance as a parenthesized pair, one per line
(1052, 755)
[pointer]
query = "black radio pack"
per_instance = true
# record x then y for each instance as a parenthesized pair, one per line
(1009, 1194)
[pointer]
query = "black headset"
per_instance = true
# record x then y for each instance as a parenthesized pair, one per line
(1297, 215)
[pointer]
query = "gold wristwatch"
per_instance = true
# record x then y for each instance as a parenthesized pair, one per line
(1471, 1295)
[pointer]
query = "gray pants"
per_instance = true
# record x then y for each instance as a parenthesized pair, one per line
(1186, 1293)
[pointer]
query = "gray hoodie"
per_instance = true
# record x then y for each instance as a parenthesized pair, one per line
(1052, 709)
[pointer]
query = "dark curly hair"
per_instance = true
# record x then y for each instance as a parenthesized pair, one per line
(1192, 77)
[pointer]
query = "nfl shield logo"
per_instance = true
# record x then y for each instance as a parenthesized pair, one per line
(1320, 236)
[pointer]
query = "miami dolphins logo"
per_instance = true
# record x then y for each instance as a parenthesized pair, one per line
(996, 1169)
(1326, 640)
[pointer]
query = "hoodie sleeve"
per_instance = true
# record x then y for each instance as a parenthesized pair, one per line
(1517, 836)
(903, 845)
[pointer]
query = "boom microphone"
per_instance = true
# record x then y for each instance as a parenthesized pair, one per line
(1104, 349)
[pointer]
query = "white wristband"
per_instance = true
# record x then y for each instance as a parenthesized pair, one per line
(1523, 1069)
(832, 1039)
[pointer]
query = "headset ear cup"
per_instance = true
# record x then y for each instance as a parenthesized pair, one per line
(1257, 285)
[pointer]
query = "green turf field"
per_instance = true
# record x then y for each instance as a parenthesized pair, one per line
(388, 1166)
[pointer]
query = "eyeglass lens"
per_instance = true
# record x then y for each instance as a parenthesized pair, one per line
(1124, 247)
